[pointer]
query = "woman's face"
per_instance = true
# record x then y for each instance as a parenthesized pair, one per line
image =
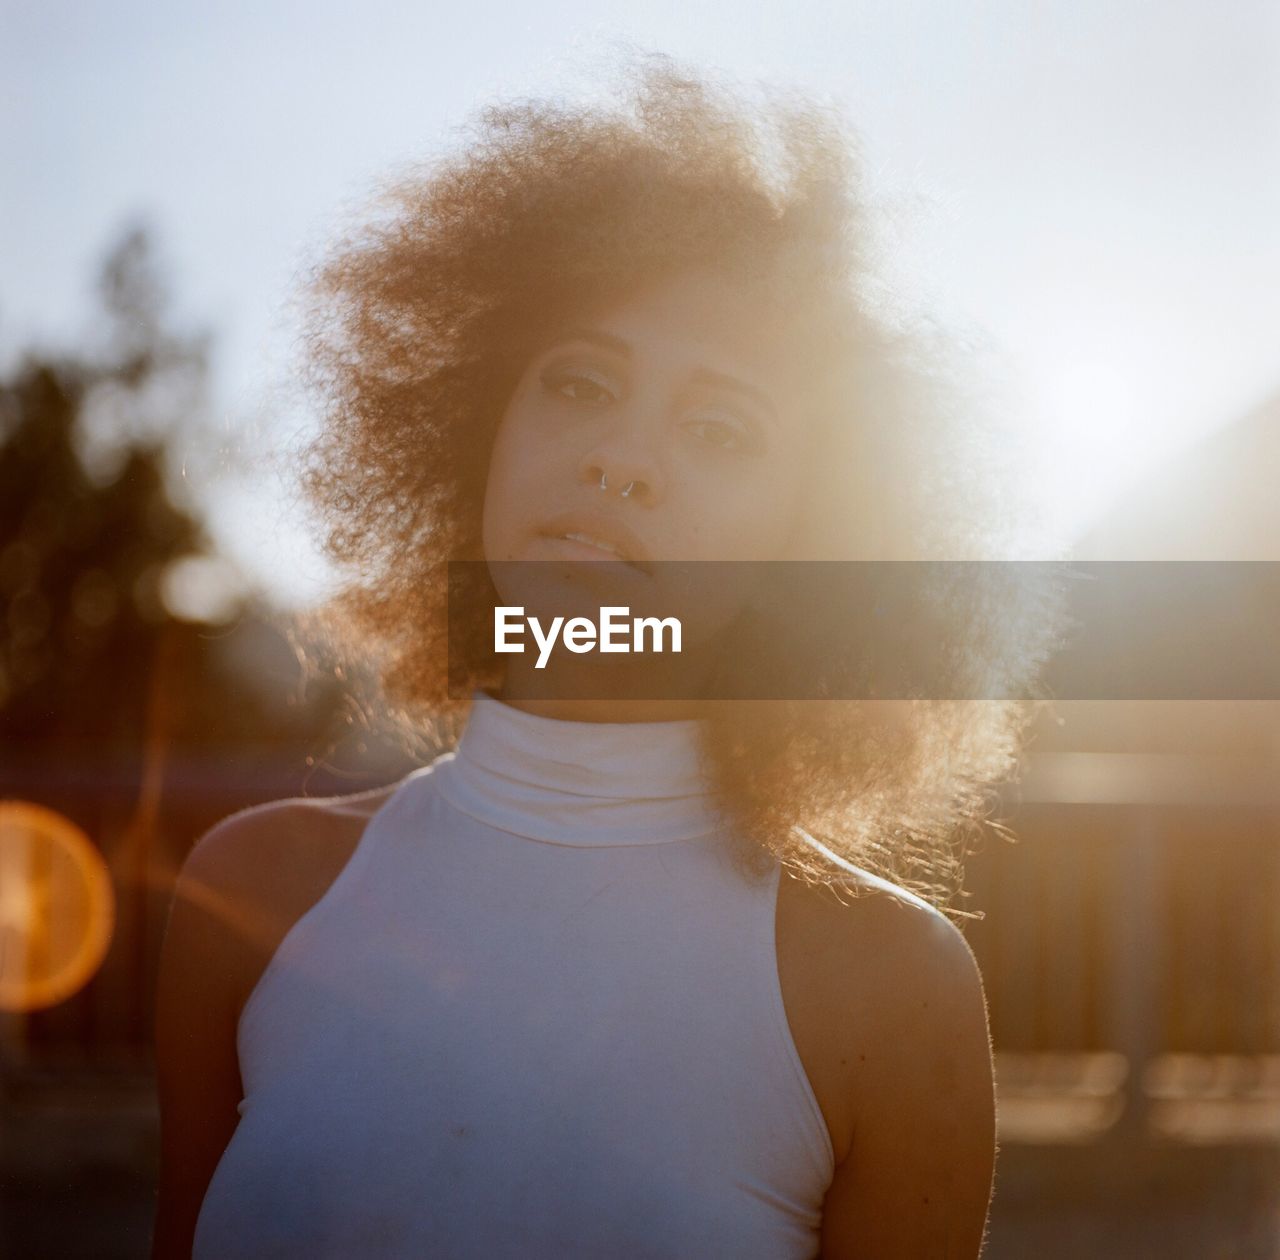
(680, 393)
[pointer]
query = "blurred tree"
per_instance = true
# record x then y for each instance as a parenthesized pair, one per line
(146, 689)
(122, 629)
(88, 525)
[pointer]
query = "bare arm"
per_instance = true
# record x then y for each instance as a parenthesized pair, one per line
(245, 884)
(203, 967)
(918, 1179)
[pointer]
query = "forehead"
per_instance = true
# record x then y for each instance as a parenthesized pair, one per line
(700, 319)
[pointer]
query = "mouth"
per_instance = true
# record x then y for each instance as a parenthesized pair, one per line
(599, 541)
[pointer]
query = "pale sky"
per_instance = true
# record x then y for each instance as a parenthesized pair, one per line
(1091, 188)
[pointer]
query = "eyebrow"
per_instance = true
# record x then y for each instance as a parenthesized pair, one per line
(702, 375)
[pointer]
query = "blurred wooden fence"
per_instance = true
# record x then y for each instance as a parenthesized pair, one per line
(1131, 950)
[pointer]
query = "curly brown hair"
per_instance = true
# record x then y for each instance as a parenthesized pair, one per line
(421, 322)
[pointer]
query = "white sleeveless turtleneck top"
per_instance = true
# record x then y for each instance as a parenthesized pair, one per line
(537, 1014)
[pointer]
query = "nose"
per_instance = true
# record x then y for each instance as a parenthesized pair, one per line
(623, 473)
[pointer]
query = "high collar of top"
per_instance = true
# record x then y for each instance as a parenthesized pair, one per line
(587, 784)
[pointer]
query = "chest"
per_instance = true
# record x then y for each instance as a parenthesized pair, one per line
(583, 1058)
(827, 1017)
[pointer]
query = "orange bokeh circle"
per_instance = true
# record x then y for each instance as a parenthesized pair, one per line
(57, 908)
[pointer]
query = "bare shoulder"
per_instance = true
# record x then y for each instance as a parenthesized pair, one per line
(881, 947)
(907, 1043)
(278, 838)
(250, 877)
(244, 884)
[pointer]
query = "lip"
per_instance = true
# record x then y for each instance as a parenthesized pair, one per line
(606, 528)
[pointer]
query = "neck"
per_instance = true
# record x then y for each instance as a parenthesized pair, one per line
(570, 783)
(612, 710)
(604, 694)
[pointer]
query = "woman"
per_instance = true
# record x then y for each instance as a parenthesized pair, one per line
(619, 975)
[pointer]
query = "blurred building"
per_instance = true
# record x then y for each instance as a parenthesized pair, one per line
(1132, 944)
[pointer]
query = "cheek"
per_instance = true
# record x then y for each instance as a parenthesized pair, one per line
(522, 465)
(503, 496)
(748, 518)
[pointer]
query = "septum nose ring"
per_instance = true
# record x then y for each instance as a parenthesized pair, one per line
(629, 487)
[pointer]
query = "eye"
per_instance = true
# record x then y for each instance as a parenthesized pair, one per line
(724, 431)
(579, 386)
